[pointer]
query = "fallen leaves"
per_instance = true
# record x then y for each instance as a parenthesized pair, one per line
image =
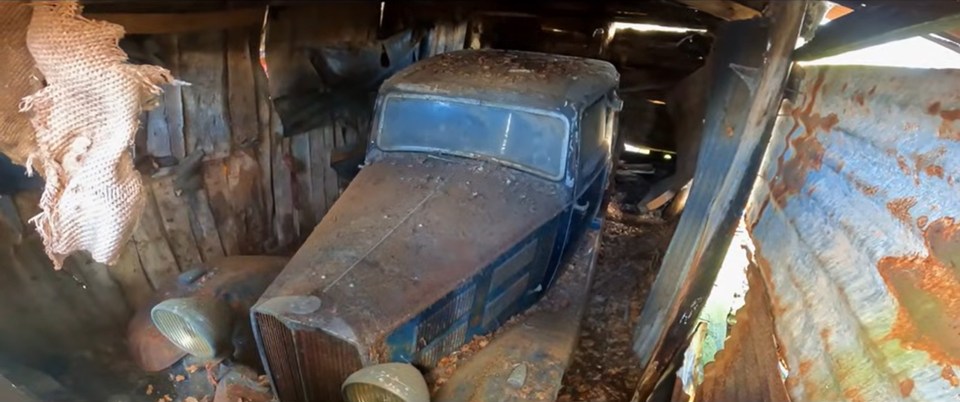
(604, 367)
(448, 364)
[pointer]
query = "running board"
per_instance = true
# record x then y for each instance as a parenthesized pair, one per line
(527, 359)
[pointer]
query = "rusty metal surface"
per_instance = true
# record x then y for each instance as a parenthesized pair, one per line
(747, 369)
(237, 279)
(855, 221)
(527, 360)
(535, 80)
(740, 115)
(440, 222)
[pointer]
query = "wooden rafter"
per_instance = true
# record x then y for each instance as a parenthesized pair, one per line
(167, 23)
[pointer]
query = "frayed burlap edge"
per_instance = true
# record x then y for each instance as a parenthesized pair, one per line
(85, 121)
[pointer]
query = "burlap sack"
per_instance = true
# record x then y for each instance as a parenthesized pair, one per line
(85, 121)
(16, 81)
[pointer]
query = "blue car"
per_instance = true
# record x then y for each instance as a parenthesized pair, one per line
(484, 170)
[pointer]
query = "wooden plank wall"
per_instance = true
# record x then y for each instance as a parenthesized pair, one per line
(313, 186)
(204, 147)
(221, 180)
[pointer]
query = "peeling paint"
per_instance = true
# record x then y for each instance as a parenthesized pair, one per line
(808, 151)
(951, 376)
(853, 394)
(929, 312)
(906, 387)
(926, 162)
(902, 163)
(900, 208)
(864, 188)
(949, 116)
(855, 223)
(858, 97)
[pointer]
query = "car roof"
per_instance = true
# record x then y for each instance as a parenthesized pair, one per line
(516, 78)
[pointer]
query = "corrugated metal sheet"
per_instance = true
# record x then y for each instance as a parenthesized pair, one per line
(855, 221)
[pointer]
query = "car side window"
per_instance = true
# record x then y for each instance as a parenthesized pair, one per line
(593, 137)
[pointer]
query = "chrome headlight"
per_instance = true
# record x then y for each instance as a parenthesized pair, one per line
(199, 326)
(390, 382)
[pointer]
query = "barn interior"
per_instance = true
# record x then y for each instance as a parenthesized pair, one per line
(247, 158)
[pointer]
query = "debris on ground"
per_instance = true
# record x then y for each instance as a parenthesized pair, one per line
(448, 364)
(556, 299)
(604, 367)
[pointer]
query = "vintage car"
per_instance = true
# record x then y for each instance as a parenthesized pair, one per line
(483, 171)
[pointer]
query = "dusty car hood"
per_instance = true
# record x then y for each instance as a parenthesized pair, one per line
(409, 229)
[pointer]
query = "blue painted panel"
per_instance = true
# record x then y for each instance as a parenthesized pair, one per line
(480, 305)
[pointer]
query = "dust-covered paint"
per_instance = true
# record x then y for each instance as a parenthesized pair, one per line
(855, 218)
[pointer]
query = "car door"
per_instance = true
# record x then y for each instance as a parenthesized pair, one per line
(593, 167)
(587, 165)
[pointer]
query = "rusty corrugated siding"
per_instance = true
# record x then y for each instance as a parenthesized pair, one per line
(855, 221)
(747, 369)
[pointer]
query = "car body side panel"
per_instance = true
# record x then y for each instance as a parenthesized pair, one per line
(855, 221)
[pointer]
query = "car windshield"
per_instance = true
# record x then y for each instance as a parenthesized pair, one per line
(528, 140)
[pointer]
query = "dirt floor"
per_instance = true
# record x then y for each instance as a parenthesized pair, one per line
(604, 367)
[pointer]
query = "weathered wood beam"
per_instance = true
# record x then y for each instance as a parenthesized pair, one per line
(725, 9)
(168, 23)
(726, 168)
(946, 40)
(880, 23)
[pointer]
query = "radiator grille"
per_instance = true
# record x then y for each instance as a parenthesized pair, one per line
(280, 352)
(442, 319)
(305, 366)
(327, 362)
(431, 355)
